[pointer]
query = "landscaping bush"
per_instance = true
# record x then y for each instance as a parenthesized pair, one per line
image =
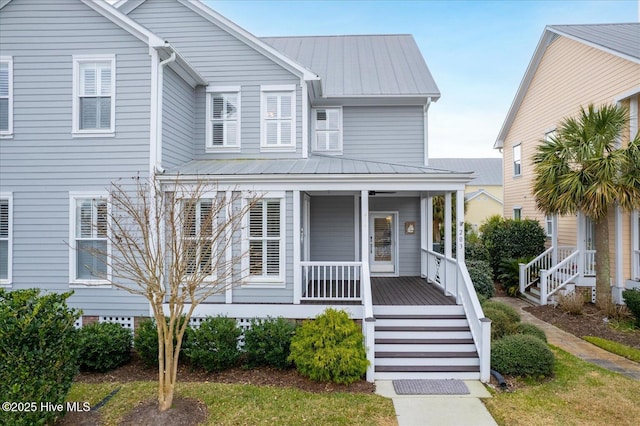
(513, 315)
(268, 341)
(330, 348)
(632, 299)
(512, 239)
(532, 330)
(501, 324)
(572, 303)
(104, 346)
(522, 355)
(474, 249)
(214, 345)
(509, 274)
(481, 277)
(145, 342)
(38, 353)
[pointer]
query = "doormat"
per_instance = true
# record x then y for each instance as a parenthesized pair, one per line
(430, 387)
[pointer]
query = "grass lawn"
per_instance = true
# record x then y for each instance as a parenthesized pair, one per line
(248, 404)
(580, 394)
(615, 347)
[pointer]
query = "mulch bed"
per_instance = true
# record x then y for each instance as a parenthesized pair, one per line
(592, 322)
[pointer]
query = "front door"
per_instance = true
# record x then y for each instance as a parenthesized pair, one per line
(382, 243)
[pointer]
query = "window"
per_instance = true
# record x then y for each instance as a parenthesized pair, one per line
(266, 240)
(6, 96)
(89, 237)
(549, 134)
(93, 100)
(327, 125)
(548, 221)
(517, 213)
(5, 239)
(516, 161)
(197, 235)
(278, 118)
(223, 123)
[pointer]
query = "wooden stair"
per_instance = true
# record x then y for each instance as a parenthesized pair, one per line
(431, 342)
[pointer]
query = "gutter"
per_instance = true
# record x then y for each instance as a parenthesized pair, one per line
(157, 83)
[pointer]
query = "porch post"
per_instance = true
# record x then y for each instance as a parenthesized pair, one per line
(580, 244)
(460, 226)
(364, 223)
(554, 238)
(423, 234)
(297, 270)
(619, 282)
(635, 244)
(356, 228)
(228, 294)
(447, 225)
(429, 227)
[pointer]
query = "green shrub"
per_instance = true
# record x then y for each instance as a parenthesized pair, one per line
(145, 342)
(501, 324)
(474, 249)
(522, 355)
(512, 239)
(632, 299)
(104, 346)
(268, 342)
(330, 348)
(513, 315)
(532, 330)
(481, 277)
(214, 345)
(38, 352)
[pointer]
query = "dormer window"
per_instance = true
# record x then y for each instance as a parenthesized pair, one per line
(327, 126)
(223, 119)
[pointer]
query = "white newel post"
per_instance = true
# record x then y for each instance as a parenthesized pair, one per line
(554, 239)
(368, 321)
(297, 269)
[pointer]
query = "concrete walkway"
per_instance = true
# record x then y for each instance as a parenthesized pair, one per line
(574, 345)
(440, 410)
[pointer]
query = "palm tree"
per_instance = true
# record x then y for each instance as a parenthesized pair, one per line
(585, 167)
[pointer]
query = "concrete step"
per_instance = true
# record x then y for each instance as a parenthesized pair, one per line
(449, 364)
(433, 375)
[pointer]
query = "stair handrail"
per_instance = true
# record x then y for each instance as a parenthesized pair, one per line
(558, 276)
(528, 272)
(368, 320)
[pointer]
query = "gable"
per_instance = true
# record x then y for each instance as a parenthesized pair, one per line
(214, 45)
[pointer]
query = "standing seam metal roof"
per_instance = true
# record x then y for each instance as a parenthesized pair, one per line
(362, 65)
(621, 38)
(486, 171)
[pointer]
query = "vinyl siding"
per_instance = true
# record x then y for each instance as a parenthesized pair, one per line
(178, 112)
(409, 211)
(387, 134)
(224, 61)
(42, 162)
(332, 236)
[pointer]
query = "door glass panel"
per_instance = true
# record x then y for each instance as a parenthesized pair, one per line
(382, 239)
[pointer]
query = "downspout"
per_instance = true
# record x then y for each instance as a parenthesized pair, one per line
(425, 112)
(161, 65)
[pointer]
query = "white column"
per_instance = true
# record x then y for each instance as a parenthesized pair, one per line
(619, 282)
(356, 227)
(297, 229)
(423, 234)
(447, 225)
(228, 294)
(429, 224)
(580, 244)
(460, 226)
(635, 244)
(554, 238)
(364, 226)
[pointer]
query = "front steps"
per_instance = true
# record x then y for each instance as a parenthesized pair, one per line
(424, 342)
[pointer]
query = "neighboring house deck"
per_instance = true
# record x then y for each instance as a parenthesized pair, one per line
(572, 66)
(337, 153)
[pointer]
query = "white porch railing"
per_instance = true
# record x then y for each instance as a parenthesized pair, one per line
(558, 276)
(530, 273)
(454, 278)
(368, 320)
(337, 281)
(589, 263)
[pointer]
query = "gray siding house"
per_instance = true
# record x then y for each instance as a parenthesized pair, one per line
(331, 131)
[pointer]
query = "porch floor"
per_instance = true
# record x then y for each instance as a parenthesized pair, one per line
(407, 291)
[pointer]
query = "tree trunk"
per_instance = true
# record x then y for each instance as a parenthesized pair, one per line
(603, 269)
(166, 374)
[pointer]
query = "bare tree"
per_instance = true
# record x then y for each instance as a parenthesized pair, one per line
(173, 245)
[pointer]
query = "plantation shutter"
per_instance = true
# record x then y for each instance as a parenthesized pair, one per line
(91, 241)
(265, 229)
(4, 239)
(278, 119)
(4, 96)
(224, 119)
(95, 95)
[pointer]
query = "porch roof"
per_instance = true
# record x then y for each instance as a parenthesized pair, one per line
(314, 165)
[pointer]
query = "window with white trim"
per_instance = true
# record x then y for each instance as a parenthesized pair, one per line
(517, 160)
(90, 243)
(278, 119)
(266, 239)
(199, 220)
(327, 127)
(223, 121)
(6, 96)
(548, 220)
(517, 213)
(5, 239)
(94, 88)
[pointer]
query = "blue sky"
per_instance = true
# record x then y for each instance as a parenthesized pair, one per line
(477, 51)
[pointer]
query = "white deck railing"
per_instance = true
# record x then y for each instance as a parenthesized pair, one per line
(558, 276)
(454, 278)
(530, 273)
(337, 281)
(589, 263)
